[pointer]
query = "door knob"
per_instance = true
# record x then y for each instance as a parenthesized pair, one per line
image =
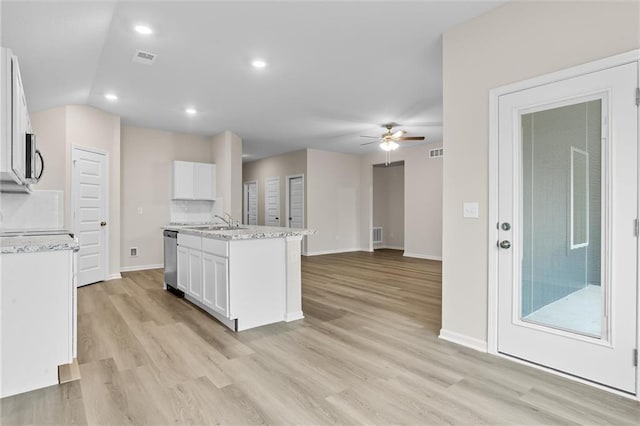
(103, 223)
(506, 226)
(504, 244)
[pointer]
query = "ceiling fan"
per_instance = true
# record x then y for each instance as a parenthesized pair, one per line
(389, 140)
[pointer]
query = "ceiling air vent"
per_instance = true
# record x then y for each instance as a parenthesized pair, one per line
(435, 153)
(143, 57)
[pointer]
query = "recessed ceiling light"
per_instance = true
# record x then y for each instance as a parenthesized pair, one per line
(190, 111)
(111, 96)
(259, 63)
(143, 29)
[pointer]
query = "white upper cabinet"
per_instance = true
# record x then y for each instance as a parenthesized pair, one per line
(15, 121)
(194, 181)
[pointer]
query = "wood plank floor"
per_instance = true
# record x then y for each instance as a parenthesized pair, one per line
(367, 352)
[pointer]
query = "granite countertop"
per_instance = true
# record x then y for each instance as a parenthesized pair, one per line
(244, 232)
(37, 243)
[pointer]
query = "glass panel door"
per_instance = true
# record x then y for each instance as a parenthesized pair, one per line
(561, 280)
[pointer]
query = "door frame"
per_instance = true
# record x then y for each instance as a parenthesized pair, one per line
(287, 200)
(492, 206)
(245, 200)
(105, 256)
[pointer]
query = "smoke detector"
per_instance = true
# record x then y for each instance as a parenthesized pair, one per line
(146, 58)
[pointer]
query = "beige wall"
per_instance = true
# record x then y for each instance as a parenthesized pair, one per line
(147, 157)
(388, 204)
(284, 165)
(333, 194)
(78, 125)
(514, 42)
(422, 201)
(227, 154)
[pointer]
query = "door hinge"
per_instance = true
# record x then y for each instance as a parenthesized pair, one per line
(637, 96)
(636, 227)
(635, 357)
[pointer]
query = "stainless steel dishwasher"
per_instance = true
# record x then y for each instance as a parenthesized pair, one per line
(171, 259)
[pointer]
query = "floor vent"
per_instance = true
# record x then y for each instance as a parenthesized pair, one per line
(377, 235)
(437, 152)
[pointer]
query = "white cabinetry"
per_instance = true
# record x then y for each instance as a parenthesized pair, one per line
(194, 181)
(37, 325)
(216, 283)
(183, 268)
(14, 126)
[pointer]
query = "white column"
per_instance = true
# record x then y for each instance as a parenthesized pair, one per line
(294, 279)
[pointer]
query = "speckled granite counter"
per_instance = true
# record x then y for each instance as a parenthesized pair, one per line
(244, 232)
(37, 243)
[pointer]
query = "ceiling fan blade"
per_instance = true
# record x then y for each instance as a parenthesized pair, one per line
(411, 138)
(368, 143)
(398, 134)
(375, 137)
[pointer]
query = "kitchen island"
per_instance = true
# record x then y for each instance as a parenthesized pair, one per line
(245, 276)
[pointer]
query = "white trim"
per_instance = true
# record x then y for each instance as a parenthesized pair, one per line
(335, 251)
(385, 246)
(245, 201)
(461, 339)
(492, 207)
(115, 276)
(141, 267)
(423, 256)
(97, 151)
(293, 316)
(287, 201)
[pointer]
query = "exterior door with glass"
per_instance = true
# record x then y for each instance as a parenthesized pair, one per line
(567, 206)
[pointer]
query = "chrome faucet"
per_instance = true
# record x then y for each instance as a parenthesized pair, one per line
(229, 221)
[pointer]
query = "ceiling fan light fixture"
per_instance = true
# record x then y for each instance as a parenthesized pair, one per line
(389, 145)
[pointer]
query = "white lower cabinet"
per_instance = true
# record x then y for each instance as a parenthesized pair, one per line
(194, 287)
(215, 293)
(183, 268)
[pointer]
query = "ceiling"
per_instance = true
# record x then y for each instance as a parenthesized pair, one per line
(336, 70)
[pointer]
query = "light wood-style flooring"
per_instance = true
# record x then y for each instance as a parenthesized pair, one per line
(367, 352)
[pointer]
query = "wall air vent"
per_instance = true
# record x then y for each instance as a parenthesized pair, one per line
(435, 153)
(142, 57)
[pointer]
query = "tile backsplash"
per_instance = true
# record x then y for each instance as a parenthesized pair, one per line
(188, 211)
(39, 210)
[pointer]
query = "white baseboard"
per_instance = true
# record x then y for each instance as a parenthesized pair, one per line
(141, 267)
(423, 256)
(293, 316)
(321, 252)
(114, 277)
(461, 339)
(382, 246)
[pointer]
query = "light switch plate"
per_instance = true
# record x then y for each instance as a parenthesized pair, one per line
(471, 210)
(140, 210)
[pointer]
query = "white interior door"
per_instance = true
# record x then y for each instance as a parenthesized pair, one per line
(568, 185)
(251, 203)
(90, 212)
(272, 201)
(295, 203)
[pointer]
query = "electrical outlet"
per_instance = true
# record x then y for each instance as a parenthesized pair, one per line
(140, 210)
(133, 252)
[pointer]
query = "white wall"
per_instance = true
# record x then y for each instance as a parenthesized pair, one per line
(58, 130)
(147, 157)
(292, 163)
(227, 154)
(333, 194)
(388, 204)
(514, 42)
(422, 200)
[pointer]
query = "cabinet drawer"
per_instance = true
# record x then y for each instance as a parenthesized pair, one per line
(217, 247)
(190, 241)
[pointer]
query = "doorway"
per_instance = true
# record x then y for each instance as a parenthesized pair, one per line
(294, 201)
(272, 201)
(566, 207)
(250, 203)
(90, 213)
(388, 206)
